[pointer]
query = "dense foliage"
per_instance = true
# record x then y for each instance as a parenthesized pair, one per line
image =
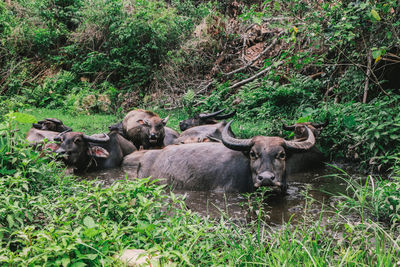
(57, 52)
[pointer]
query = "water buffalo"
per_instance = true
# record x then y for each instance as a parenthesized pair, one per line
(204, 118)
(46, 129)
(231, 166)
(202, 133)
(144, 128)
(94, 152)
(51, 124)
(300, 132)
(35, 136)
(169, 138)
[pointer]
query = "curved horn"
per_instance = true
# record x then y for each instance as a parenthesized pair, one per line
(37, 126)
(288, 127)
(93, 139)
(54, 120)
(225, 116)
(233, 143)
(66, 131)
(303, 145)
(204, 116)
(321, 125)
(59, 136)
(165, 120)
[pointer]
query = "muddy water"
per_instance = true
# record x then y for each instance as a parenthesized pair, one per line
(279, 208)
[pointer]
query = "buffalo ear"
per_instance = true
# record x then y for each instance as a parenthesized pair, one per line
(98, 152)
(165, 120)
(141, 122)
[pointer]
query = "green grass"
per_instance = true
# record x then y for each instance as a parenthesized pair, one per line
(98, 123)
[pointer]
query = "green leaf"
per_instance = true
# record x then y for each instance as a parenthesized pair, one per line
(303, 119)
(78, 264)
(91, 256)
(65, 261)
(10, 220)
(22, 117)
(376, 53)
(89, 222)
(277, 6)
(375, 15)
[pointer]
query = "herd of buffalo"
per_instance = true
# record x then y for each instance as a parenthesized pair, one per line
(206, 155)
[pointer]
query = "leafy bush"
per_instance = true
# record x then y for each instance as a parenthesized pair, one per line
(52, 92)
(125, 42)
(365, 132)
(387, 200)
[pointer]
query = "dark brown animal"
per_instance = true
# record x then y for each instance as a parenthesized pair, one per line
(169, 138)
(204, 118)
(202, 133)
(234, 166)
(51, 124)
(144, 129)
(48, 129)
(300, 132)
(94, 152)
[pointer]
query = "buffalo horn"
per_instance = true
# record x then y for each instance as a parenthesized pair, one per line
(96, 139)
(288, 128)
(303, 145)
(60, 135)
(321, 125)
(204, 116)
(37, 126)
(165, 120)
(66, 131)
(225, 116)
(53, 120)
(233, 143)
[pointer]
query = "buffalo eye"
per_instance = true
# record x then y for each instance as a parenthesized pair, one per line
(253, 154)
(281, 156)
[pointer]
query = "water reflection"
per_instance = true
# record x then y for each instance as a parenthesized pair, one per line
(279, 208)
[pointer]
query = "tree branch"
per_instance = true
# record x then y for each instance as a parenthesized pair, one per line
(369, 55)
(255, 59)
(254, 76)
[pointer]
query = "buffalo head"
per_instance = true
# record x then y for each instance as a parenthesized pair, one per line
(79, 150)
(144, 128)
(267, 155)
(51, 124)
(204, 118)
